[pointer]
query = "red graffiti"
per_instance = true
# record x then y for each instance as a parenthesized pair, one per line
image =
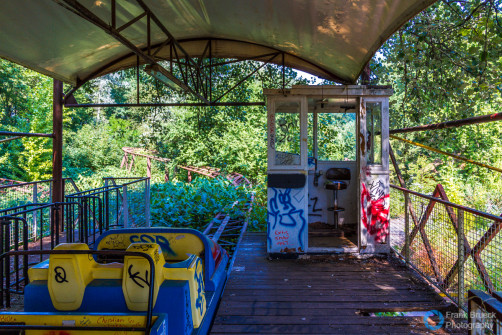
(374, 205)
(282, 237)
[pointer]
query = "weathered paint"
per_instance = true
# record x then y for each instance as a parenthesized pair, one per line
(179, 286)
(287, 220)
(375, 209)
(175, 246)
(114, 322)
(374, 200)
(287, 217)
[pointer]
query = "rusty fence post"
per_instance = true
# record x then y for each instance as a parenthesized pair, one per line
(57, 148)
(125, 206)
(406, 227)
(461, 260)
(147, 203)
(34, 216)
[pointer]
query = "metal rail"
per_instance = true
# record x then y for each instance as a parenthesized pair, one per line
(446, 153)
(236, 178)
(174, 104)
(450, 124)
(12, 134)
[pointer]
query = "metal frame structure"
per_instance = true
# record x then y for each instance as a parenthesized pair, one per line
(194, 77)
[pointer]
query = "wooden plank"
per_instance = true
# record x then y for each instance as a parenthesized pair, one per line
(333, 306)
(338, 311)
(382, 299)
(333, 328)
(315, 320)
(319, 292)
(324, 296)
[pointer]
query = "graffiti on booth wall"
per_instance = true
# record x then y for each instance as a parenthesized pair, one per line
(286, 133)
(314, 208)
(375, 210)
(281, 237)
(286, 219)
(271, 122)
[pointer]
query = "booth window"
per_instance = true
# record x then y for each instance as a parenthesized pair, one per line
(287, 133)
(374, 132)
(336, 136)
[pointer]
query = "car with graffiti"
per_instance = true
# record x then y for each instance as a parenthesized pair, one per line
(135, 281)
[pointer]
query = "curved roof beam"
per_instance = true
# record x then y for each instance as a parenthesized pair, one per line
(220, 48)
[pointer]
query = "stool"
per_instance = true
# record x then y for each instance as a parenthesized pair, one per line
(336, 177)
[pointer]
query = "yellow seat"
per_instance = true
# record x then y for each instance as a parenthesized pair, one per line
(136, 275)
(68, 276)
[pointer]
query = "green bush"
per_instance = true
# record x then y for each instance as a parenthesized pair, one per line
(195, 204)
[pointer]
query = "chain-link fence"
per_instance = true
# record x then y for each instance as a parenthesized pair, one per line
(14, 193)
(455, 247)
(134, 195)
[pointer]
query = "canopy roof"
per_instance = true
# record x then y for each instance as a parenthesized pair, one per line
(333, 39)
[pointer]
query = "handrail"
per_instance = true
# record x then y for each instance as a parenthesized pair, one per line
(92, 191)
(446, 153)
(26, 183)
(21, 206)
(450, 204)
(42, 206)
(149, 313)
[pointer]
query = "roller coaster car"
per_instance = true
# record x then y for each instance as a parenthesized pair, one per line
(81, 290)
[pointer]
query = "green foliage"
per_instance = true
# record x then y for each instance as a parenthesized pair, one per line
(98, 145)
(178, 204)
(444, 65)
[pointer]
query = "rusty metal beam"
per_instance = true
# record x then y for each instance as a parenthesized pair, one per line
(450, 124)
(130, 23)
(10, 133)
(57, 143)
(194, 104)
(248, 76)
(86, 14)
(10, 139)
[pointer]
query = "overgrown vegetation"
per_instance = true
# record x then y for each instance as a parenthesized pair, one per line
(444, 64)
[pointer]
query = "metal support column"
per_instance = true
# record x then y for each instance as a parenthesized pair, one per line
(407, 227)
(57, 148)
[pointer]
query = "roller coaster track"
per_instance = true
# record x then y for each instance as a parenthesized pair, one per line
(127, 163)
(229, 225)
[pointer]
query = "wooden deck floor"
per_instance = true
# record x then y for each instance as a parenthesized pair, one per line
(321, 295)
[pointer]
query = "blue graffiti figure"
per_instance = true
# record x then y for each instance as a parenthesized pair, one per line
(284, 213)
(201, 300)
